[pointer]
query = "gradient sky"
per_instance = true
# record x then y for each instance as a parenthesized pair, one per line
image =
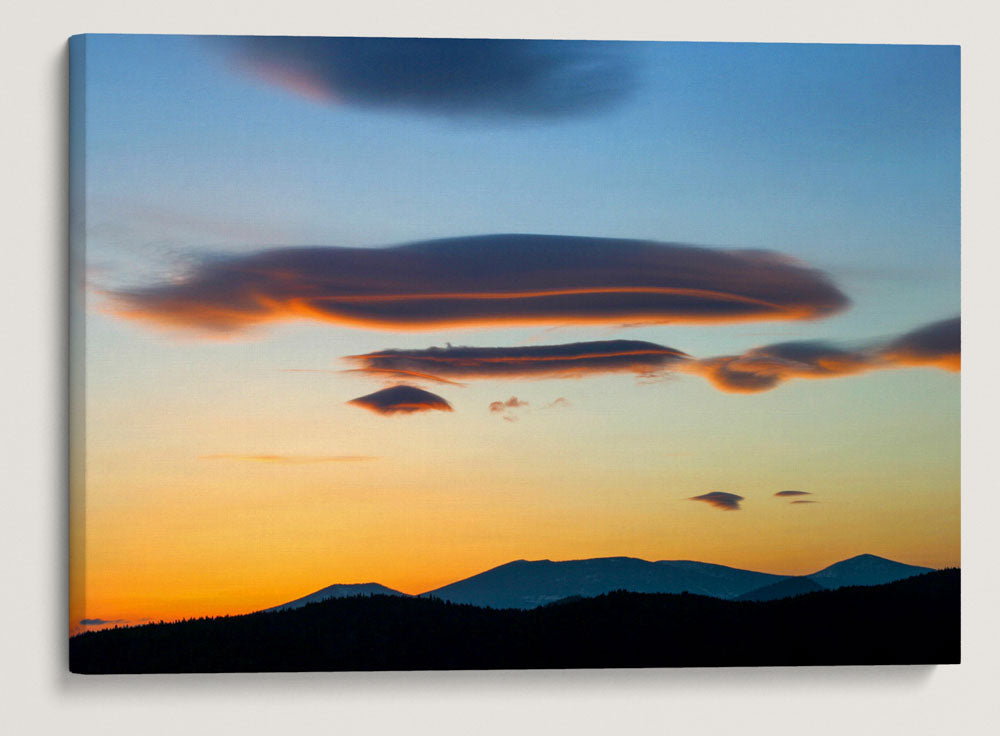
(227, 472)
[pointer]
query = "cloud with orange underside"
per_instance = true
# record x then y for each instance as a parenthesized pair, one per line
(937, 345)
(507, 409)
(401, 399)
(484, 280)
(512, 403)
(571, 360)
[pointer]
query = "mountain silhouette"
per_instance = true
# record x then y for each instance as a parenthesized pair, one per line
(864, 570)
(336, 591)
(911, 621)
(532, 583)
(527, 584)
(785, 588)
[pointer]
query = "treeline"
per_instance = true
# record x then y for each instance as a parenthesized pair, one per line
(912, 621)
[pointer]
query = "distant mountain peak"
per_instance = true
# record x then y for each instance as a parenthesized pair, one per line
(337, 590)
(529, 583)
(865, 569)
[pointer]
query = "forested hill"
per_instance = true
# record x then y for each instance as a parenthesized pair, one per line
(912, 621)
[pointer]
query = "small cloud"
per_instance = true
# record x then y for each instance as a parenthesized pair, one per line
(401, 400)
(512, 403)
(805, 502)
(793, 493)
(721, 500)
(506, 407)
(101, 621)
(290, 459)
(560, 403)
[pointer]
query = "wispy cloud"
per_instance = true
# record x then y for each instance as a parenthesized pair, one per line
(401, 400)
(388, 374)
(453, 77)
(101, 621)
(290, 459)
(792, 493)
(485, 280)
(720, 500)
(507, 408)
(512, 403)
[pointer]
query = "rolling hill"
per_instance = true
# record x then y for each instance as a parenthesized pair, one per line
(785, 588)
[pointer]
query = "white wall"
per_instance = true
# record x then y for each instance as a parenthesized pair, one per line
(39, 696)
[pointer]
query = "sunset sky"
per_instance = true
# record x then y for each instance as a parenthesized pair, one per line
(651, 272)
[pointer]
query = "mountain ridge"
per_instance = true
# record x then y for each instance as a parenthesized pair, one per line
(911, 621)
(337, 590)
(524, 583)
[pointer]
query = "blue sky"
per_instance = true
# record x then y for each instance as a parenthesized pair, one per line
(844, 157)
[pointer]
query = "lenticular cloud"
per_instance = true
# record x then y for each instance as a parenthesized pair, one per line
(486, 280)
(720, 500)
(478, 78)
(571, 360)
(401, 400)
(937, 345)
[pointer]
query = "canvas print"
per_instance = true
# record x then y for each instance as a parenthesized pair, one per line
(427, 353)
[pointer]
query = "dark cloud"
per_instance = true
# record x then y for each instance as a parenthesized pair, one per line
(454, 77)
(938, 344)
(761, 369)
(804, 501)
(490, 279)
(721, 500)
(570, 360)
(730, 374)
(401, 400)
(793, 493)
(101, 621)
(935, 345)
